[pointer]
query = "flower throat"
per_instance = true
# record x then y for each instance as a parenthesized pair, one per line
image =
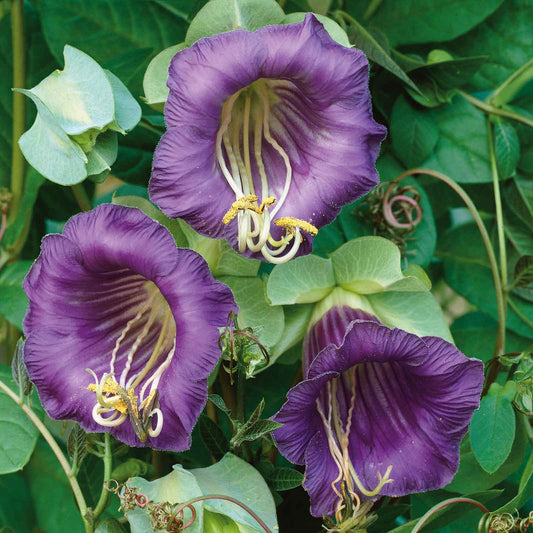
(245, 124)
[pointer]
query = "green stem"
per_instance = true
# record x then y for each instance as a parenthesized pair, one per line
(57, 452)
(496, 110)
(484, 235)
(241, 386)
(84, 202)
(147, 126)
(19, 104)
(108, 465)
(372, 8)
(494, 97)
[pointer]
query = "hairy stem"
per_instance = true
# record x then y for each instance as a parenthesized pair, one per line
(84, 202)
(486, 241)
(108, 465)
(19, 104)
(480, 104)
(78, 495)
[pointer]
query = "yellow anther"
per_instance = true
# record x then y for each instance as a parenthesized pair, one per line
(248, 202)
(290, 223)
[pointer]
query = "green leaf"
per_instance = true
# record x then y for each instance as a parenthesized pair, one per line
(507, 148)
(220, 403)
(525, 488)
(256, 430)
(110, 525)
(506, 37)
(364, 40)
(77, 444)
(15, 504)
(102, 28)
(492, 429)
(254, 310)
(369, 265)
(296, 322)
(305, 279)
(414, 133)
(53, 502)
(416, 312)
(219, 16)
(156, 75)
(230, 263)
(236, 478)
(467, 271)
(430, 20)
(231, 477)
(462, 149)
(471, 477)
(19, 370)
(80, 96)
(320, 6)
(523, 271)
(213, 437)
(284, 478)
(50, 150)
(14, 302)
(334, 30)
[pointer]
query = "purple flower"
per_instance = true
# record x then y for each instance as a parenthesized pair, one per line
(269, 134)
(122, 328)
(381, 413)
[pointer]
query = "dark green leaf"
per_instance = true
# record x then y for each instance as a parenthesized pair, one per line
(420, 21)
(253, 431)
(110, 525)
(19, 370)
(414, 133)
(284, 478)
(54, 504)
(77, 444)
(523, 271)
(213, 437)
(364, 40)
(462, 150)
(492, 429)
(506, 37)
(14, 302)
(471, 477)
(15, 504)
(525, 489)
(19, 434)
(507, 148)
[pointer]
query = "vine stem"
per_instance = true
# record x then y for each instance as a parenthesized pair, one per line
(84, 202)
(444, 504)
(19, 104)
(480, 104)
(57, 452)
(500, 301)
(225, 498)
(108, 465)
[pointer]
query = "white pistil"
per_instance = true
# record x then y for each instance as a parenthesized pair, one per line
(118, 401)
(254, 221)
(338, 438)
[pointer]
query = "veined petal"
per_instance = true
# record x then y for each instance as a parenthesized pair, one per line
(281, 115)
(114, 295)
(389, 400)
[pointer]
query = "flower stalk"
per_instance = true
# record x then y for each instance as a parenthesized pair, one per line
(69, 472)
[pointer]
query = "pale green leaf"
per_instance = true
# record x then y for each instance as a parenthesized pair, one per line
(156, 75)
(334, 30)
(254, 310)
(220, 16)
(80, 97)
(368, 265)
(50, 150)
(415, 312)
(507, 148)
(306, 279)
(127, 109)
